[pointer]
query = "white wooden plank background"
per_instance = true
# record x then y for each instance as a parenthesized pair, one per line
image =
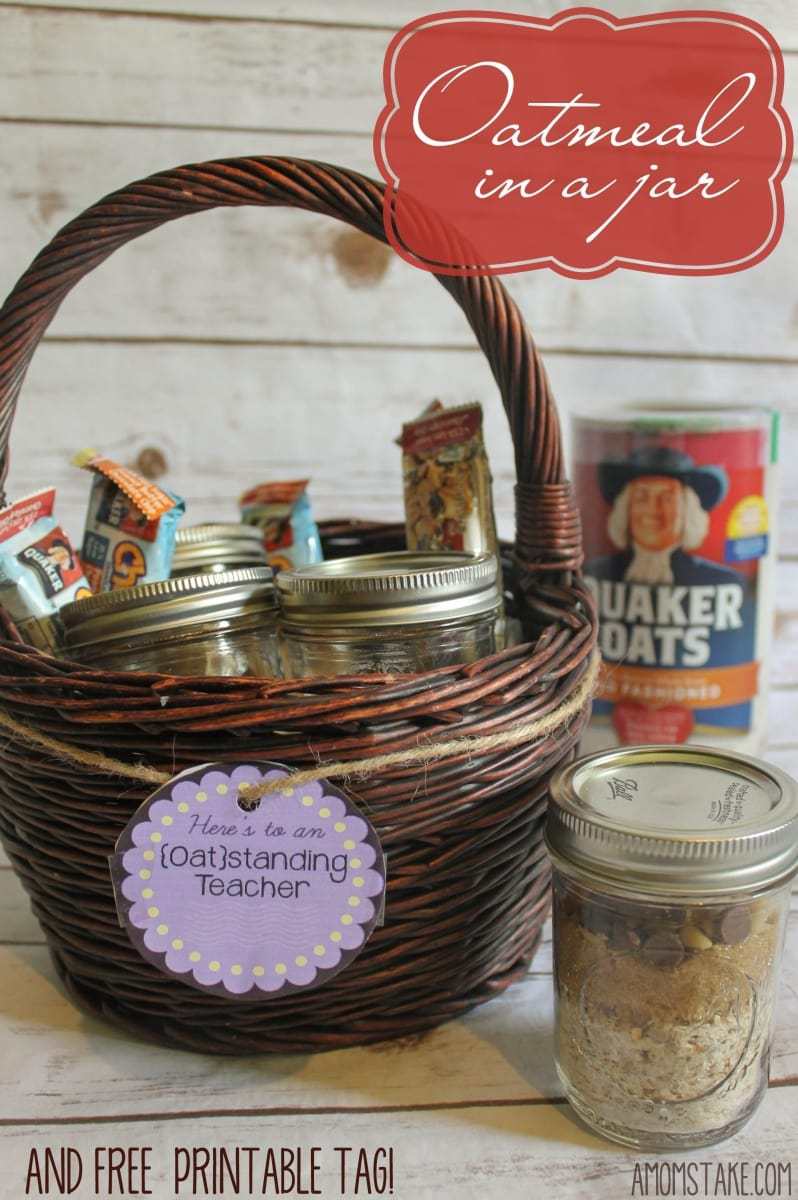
(245, 345)
(778, 15)
(215, 287)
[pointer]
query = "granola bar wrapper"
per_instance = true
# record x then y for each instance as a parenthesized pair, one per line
(283, 512)
(39, 568)
(447, 481)
(131, 525)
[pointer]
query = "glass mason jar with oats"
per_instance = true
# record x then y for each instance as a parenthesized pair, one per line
(672, 872)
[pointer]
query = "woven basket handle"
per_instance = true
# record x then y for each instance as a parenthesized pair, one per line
(548, 535)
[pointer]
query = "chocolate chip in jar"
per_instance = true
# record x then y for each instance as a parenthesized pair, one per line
(663, 949)
(734, 925)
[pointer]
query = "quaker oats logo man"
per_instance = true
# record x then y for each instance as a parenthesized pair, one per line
(61, 556)
(661, 501)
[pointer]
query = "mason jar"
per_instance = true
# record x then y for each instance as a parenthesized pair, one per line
(214, 549)
(672, 874)
(222, 624)
(397, 613)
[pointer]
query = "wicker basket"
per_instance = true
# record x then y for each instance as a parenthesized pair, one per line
(468, 878)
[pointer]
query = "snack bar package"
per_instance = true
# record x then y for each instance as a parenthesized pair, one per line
(447, 481)
(39, 569)
(283, 512)
(130, 527)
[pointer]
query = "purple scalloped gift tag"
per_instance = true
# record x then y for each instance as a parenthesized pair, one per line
(248, 904)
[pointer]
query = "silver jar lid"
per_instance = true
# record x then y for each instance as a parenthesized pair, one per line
(201, 547)
(155, 608)
(675, 820)
(401, 588)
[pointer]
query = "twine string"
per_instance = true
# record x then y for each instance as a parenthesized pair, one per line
(363, 768)
(81, 758)
(360, 769)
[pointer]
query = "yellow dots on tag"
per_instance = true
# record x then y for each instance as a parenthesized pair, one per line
(300, 960)
(215, 965)
(258, 971)
(177, 943)
(324, 812)
(167, 820)
(237, 969)
(156, 837)
(353, 901)
(280, 968)
(339, 826)
(336, 935)
(162, 929)
(319, 951)
(355, 863)
(288, 791)
(145, 873)
(148, 855)
(222, 789)
(347, 919)
(147, 893)
(182, 806)
(349, 844)
(308, 801)
(201, 797)
(358, 881)
(153, 912)
(194, 956)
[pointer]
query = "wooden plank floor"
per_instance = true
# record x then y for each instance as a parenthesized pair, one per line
(474, 1109)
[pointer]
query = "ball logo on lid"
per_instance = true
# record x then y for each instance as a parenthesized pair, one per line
(243, 901)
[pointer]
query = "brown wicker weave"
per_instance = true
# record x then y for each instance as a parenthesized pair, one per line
(468, 879)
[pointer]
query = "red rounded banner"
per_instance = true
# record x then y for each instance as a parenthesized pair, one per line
(583, 142)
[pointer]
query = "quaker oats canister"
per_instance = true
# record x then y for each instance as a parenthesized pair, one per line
(678, 510)
(672, 875)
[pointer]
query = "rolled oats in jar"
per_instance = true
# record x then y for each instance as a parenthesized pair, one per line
(402, 612)
(672, 871)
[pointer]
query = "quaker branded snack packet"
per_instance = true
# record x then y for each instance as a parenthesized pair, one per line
(677, 509)
(131, 526)
(447, 481)
(283, 512)
(39, 569)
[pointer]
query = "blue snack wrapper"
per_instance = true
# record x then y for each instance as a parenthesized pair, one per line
(131, 527)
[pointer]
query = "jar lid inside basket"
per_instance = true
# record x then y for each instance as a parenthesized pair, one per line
(204, 545)
(172, 603)
(675, 820)
(400, 588)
